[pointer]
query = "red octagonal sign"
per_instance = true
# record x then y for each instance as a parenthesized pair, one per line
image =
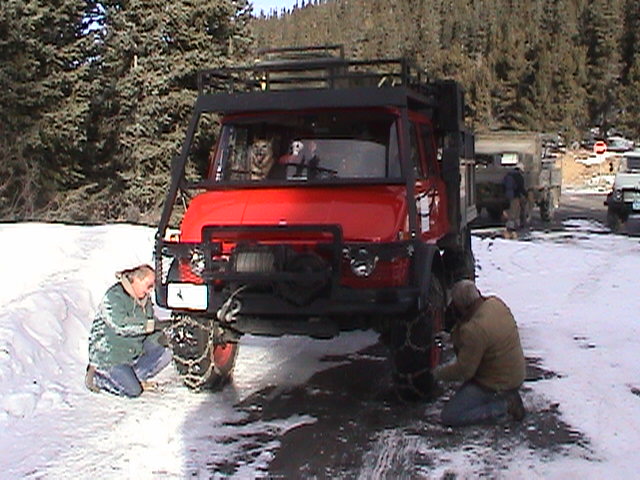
(599, 147)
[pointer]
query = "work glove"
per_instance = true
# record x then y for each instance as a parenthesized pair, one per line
(150, 325)
(153, 325)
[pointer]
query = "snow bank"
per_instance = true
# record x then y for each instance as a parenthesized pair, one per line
(57, 275)
(573, 293)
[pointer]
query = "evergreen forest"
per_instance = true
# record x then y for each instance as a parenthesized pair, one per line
(96, 95)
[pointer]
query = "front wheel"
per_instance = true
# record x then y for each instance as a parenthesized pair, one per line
(202, 362)
(415, 346)
(548, 206)
(614, 222)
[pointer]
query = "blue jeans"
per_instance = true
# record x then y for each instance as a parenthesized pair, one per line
(473, 404)
(124, 379)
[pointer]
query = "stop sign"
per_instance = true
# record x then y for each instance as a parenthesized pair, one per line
(599, 147)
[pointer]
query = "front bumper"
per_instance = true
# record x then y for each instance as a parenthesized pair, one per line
(624, 201)
(303, 277)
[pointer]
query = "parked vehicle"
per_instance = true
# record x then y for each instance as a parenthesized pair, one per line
(552, 144)
(619, 144)
(337, 196)
(624, 199)
(497, 153)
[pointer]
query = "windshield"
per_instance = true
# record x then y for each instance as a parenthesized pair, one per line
(631, 164)
(322, 146)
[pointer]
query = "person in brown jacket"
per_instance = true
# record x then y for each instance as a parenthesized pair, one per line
(489, 360)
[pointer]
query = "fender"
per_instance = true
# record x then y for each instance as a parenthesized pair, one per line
(427, 259)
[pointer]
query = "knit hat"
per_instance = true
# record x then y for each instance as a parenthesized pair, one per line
(464, 293)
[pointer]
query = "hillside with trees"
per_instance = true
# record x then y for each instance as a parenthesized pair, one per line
(548, 65)
(96, 95)
(96, 99)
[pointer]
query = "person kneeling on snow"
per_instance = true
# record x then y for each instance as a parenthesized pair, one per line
(125, 347)
(489, 360)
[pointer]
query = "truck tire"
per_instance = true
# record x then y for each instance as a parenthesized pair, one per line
(201, 363)
(548, 207)
(469, 259)
(459, 263)
(415, 346)
(614, 222)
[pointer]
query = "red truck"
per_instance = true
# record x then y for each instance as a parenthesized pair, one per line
(314, 195)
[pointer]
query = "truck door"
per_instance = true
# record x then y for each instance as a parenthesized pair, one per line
(430, 189)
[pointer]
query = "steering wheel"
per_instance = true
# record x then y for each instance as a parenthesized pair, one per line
(312, 171)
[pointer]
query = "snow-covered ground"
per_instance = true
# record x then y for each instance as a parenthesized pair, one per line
(574, 295)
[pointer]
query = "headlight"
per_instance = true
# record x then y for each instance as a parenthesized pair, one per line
(617, 195)
(362, 262)
(197, 261)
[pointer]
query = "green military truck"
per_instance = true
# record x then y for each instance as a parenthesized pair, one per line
(499, 152)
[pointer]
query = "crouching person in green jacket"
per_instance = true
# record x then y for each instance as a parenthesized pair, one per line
(489, 360)
(125, 344)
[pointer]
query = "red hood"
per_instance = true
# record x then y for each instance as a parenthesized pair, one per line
(366, 213)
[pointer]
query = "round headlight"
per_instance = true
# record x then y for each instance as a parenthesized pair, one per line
(363, 263)
(617, 195)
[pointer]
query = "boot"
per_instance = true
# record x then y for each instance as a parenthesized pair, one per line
(510, 234)
(515, 407)
(89, 379)
(149, 386)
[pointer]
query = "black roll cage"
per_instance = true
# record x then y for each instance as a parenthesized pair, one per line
(333, 82)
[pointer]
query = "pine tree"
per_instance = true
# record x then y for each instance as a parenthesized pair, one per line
(559, 71)
(630, 51)
(630, 114)
(603, 60)
(151, 55)
(630, 41)
(512, 77)
(44, 47)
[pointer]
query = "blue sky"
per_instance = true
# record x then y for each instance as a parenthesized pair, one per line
(267, 5)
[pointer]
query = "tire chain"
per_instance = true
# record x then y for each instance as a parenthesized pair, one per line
(185, 323)
(190, 376)
(411, 380)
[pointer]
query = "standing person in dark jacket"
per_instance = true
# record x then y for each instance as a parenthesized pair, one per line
(516, 193)
(124, 348)
(489, 360)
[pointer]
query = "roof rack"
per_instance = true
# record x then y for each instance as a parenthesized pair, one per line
(305, 68)
(297, 53)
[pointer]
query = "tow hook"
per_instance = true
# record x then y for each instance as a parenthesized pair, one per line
(231, 307)
(229, 310)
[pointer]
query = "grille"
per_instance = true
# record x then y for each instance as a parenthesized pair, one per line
(630, 195)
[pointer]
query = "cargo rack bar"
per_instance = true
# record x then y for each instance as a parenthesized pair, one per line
(302, 52)
(319, 73)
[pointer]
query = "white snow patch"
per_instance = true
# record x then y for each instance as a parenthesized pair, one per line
(574, 296)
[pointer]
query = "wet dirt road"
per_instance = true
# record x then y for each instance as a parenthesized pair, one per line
(576, 206)
(362, 431)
